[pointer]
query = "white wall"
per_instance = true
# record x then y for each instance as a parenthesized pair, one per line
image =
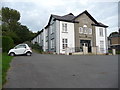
(70, 35)
(44, 40)
(99, 38)
(57, 36)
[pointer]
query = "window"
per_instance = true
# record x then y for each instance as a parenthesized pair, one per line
(102, 46)
(64, 43)
(80, 30)
(20, 46)
(90, 31)
(85, 29)
(101, 32)
(64, 27)
(52, 43)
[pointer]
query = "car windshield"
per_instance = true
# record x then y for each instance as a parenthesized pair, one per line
(20, 46)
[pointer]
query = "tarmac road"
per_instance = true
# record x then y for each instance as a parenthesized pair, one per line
(61, 71)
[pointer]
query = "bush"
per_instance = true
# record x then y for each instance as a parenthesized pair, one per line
(37, 47)
(14, 36)
(7, 43)
(118, 52)
(29, 43)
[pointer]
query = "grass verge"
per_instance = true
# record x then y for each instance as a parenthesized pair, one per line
(5, 66)
(0, 70)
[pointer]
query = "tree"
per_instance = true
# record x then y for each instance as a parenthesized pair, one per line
(113, 34)
(10, 18)
(12, 28)
(10, 15)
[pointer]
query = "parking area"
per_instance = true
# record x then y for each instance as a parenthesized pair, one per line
(61, 71)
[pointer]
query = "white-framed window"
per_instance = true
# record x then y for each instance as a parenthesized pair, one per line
(102, 46)
(64, 27)
(52, 43)
(101, 32)
(90, 31)
(85, 29)
(64, 43)
(80, 30)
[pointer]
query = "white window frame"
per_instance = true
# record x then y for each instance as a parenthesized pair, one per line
(90, 31)
(64, 27)
(80, 30)
(101, 32)
(85, 29)
(64, 43)
(102, 46)
(52, 43)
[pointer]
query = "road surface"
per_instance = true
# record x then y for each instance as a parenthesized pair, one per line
(61, 71)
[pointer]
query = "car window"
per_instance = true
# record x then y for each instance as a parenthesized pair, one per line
(20, 46)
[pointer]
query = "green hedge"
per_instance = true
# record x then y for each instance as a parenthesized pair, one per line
(7, 43)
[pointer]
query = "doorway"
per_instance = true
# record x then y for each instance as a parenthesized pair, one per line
(87, 43)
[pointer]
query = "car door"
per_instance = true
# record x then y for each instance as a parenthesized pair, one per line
(19, 49)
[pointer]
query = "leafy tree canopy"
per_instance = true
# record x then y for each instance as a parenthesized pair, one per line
(10, 15)
(12, 28)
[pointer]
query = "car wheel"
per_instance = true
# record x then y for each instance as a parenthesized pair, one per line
(12, 54)
(28, 53)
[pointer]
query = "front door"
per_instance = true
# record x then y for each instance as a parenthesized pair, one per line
(87, 43)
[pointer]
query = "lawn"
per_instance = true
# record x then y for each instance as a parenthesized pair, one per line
(5, 61)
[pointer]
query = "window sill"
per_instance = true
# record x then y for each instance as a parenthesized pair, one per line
(64, 32)
(101, 36)
(52, 33)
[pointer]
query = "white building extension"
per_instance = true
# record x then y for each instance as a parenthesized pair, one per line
(101, 40)
(67, 39)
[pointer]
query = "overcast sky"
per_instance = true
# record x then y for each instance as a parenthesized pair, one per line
(36, 13)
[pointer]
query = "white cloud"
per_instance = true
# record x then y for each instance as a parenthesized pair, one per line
(35, 13)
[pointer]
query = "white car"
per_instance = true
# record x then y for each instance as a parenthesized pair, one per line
(20, 50)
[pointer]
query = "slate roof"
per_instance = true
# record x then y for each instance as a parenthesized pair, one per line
(100, 24)
(71, 18)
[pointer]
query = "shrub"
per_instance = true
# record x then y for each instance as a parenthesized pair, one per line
(118, 52)
(7, 43)
(37, 47)
(14, 36)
